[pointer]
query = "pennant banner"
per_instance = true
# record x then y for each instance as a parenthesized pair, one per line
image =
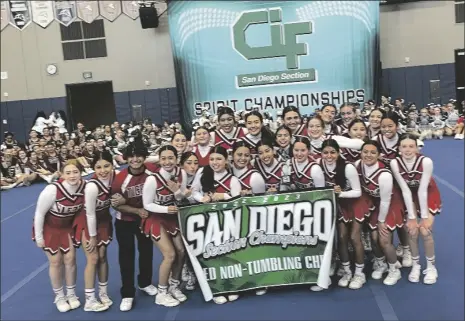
(4, 14)
(87, 11)
(42, 12)
(255, 242)
(20, 13)
(110, 10)
(131, 9)
(65, 12)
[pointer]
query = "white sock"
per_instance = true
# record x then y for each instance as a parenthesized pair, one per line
(381, 260)
(346, 267)
(406, 248)
(102, 287)
(59, 293)
(70, 290)
(430, 261)
(174, 283)
(392, 266)
(416, 260)
(90, 294)
(162, 288)
(359, 268)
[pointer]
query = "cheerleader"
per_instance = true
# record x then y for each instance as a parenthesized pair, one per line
(348, 114)
(387, 213)
(179, 141)
(93, 228)
(202, 146)
(327, 114)
(129, 185)
(215, 183)
(227, 132)
(276, 173)
(357, 129)
(160, 193)
(283, 142)
(305, 172)
(374, 122)
(256, 130)
(413, 173)
(251, 180)
(343, 177)
(293, 120)
(53, 231)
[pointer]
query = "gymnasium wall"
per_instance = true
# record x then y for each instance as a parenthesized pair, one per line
(425, 34)
(134, 56)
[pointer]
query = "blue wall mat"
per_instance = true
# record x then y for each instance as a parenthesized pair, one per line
(447, 76)
(4, 116)
(384, 82)
(165, 105)
(152, 101)
(137, 98)
(123, 114)
(15, 119)
(59, 103)
(175, 112)
(29, 113)
(397, 82)
(428, 73)
(413, 85)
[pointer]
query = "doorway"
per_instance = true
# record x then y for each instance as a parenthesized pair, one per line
(91, 104)
(460, 77)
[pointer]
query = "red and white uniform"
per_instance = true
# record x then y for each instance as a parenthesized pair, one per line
(350, 155)
(203, 154)
(273, 174)
(157, 197)
(350, 196)
(250, 179)
(389, 148)
(56, 209)
(301, 131)
(306, 175)
(224, 183)
(252, 141)
(384, 198)
(419, 189)
(227, 140)
(130, 186)
(96, 220)
(343, 142)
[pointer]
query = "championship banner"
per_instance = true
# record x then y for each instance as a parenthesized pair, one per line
(273, 53)
(131, 9)
(42, 13)
(65, 12)
(110, 10)
(20, 13)
(4, 14)
(87, 11)
(260, 241)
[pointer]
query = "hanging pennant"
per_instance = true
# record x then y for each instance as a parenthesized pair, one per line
(87, 11)
(42, 12)
(131, 9)
(65, 12)
(20, 13)
(4, 15)
(110, 10)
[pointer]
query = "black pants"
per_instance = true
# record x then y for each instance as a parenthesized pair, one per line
(126, 231)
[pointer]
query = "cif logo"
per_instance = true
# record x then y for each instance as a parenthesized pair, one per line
(283, 37)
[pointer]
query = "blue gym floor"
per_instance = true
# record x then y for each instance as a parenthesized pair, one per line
(27, 295)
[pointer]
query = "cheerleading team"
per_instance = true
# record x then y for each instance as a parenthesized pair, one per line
(378, 176)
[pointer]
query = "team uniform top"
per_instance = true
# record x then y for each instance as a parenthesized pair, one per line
(301, 131)
(224, 182)
(343, 142)
(227, 140)
(56, 208)
(389, 147)
(52, 162)
(252, 142)
(419, 189)
(250, 180)
(284, 154)
(129, 186)
(203, 154)
(306, 175)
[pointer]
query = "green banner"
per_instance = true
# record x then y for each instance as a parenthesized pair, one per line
(260, 241)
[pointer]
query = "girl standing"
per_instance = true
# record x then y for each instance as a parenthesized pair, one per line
(276, 173)
(283, 142)
(53, 231)
(251, 180)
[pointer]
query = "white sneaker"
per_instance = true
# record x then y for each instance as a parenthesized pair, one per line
(220, 299)
(185, 273)
(457, 136)
(62, 304)
(105, 299)
(431, 275)
(414, 275)
(233, 297)
(379, 268)
(165, 299)
(150, 290)
(126, 304)
(316, 288)
(73, 301)
(462, 136)
(357, 281)
(407, 258)
(176, 293)
(392, 277)
(344, 281)
(399, 250)
(95, 306)
(261, 292)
